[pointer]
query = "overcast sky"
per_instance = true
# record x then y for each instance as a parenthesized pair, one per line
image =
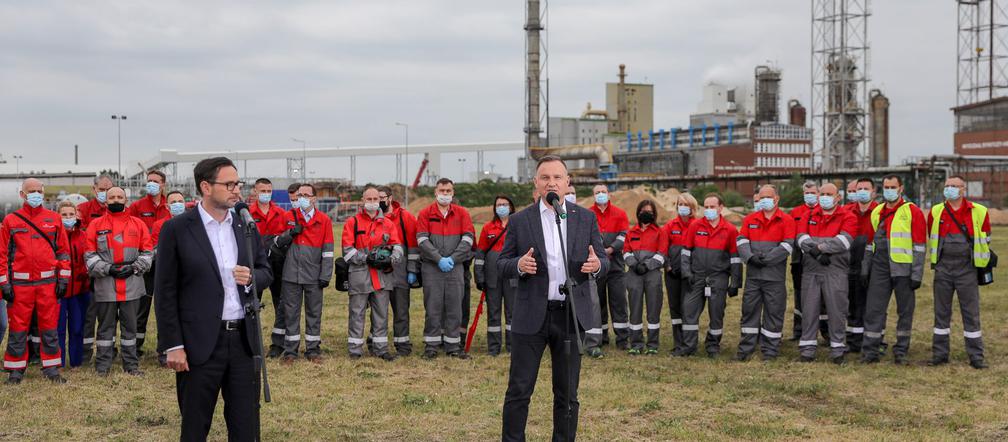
(253, 74)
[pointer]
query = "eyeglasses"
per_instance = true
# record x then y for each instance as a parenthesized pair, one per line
(301, 195)
(231, 185)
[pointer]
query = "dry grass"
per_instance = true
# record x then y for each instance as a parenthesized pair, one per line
(622, 397)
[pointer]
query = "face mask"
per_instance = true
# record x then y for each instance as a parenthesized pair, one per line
(69, 223)
(116, 207)
(265, 197)
(766, 204)
(35, 199)
(602, 198)
(951, 193)
(503, 211)
(685, 211)
(101, 196)
(645, 217)
(153, 188)
(863, 196)
(444, 200)
(810, 199)
(304, 203)
(371, 207)
(571, 198)
(826, 202)
(384, 206)
(890, 195)
(711, 214)
(176, 209)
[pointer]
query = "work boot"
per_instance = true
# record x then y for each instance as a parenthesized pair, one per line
(651, 351)
(135, 372)
(459, 355)
(741, 357)
(388, 357)
(634, 351)
(102, 373)
(934, 362)
(806, 359)
(595, 353)
(900, 360)
(56, 379)
(14, 377)
(839, 360)
(274, 352)
(430, 354)
(978, 363)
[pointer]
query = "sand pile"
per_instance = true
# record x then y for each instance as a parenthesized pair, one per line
(998, 217)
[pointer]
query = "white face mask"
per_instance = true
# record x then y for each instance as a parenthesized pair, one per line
(444, 200)
(571, 198)
(371, 207)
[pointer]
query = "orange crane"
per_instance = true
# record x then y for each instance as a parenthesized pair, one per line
(423, 166)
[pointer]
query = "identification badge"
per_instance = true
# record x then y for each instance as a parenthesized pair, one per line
(706, 291)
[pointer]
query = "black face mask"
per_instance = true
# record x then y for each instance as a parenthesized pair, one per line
(116, 207)
(383, 205)
(645, 217)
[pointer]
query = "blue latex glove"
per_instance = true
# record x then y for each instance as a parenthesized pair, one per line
(411, 277)
(445, 264)
(451, 262)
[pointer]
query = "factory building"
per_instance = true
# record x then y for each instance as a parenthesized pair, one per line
(630, 106)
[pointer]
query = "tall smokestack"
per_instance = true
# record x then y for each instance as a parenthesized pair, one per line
(533, 71)
(621, 110)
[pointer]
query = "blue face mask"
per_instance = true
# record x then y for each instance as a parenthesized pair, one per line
(101, 197)
(503, 211)
(685, 211)
(766, 204)
(826, 202)
(69, 223)
(304, 203)
(711, 214)
(176, 209)
(35, 199)
(265, 197)
(890, 195)
(602, 198)
(153, 188)
(951, 193)
(810, 199)
(862, 196)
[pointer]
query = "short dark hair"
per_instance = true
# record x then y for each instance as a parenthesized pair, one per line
(510, 204)
(550, 159)
(263, 181)
(895, 177)
(386, 189)
(308, 185)
(715, 195)
(164, 178)
(174, 192)
(444, 181)
(865, 179)
(293, 188)
(647, 203)
(207, 170)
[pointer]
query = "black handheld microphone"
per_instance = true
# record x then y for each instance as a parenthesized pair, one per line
(243, 210)
(553, 199)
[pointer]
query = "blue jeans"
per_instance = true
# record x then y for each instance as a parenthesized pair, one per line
(71, 328)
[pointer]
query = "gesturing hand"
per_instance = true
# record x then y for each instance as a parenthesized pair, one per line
(593, 264)
(242, 275)
(527, 264)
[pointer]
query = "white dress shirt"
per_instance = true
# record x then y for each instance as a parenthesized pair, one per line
(225, 248)
(554, 259)
(307, 215)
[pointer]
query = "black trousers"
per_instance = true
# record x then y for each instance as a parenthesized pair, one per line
(230, 372)
(526, 354)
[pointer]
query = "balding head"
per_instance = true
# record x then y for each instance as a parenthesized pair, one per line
(828, 189)
(30, 185)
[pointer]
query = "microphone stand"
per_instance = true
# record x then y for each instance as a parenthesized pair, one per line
(252, 308)
(573, 326)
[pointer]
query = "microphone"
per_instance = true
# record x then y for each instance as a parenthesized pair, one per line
(243, 210)
(553, 199)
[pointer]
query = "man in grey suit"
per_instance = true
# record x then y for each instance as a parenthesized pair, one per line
(541, 318)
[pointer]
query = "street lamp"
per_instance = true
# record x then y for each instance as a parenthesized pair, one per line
(17, 162)
(406, 159)
(119, 119)
(304, 156)
(463, 161)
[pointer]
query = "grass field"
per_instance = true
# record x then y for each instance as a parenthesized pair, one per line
(622, 397)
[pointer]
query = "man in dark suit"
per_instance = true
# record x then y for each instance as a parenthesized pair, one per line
(532, 254)
(203, 283)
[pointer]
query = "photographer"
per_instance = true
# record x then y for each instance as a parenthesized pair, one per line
(371, 246)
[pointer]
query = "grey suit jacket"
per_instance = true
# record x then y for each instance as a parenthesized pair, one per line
(524, 232)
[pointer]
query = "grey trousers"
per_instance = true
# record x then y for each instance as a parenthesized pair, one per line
(294, 295)
(881, 288)
(279, 318)
(442, 308)
(496, 298)
(676, 289)
(963, 283)
(831, 290)
(593, 332)
(641, 290)
(713, 291)
(90, 323)
(399, 298)
(123, 313)
(613, 303)
(379, 303)
(763, 307)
